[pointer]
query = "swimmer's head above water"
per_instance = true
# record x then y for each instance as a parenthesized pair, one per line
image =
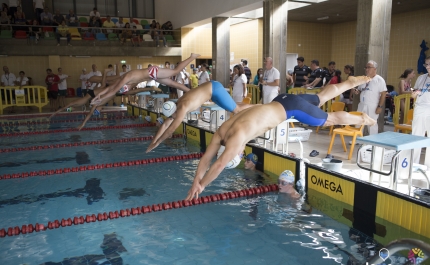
(286, 182)
(250, 161)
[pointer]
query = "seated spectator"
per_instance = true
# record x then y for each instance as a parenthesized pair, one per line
(126, 33)
(72, 19)
(167, 27)
(58, 18)
(108, 24)
(46, 17)
(5, 8)
(153, 24)
(22, 80)
(35, 30)
(95, 13)
(63, 31)
(20, 16)
(94, 23)
(135, 37)
(157, 34)
(132, 23)
(4, 19)
(120, 23)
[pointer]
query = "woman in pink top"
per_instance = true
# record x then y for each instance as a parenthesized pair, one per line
(405, 88)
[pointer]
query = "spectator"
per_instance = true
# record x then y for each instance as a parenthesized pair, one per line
(58, 18)
(135, 36)
(94, 23)
(46, 17)
(95, 13)
(22, 80)
(389, 101)
(194, 78)
(83, 78)
(72, 19)
(300, 72)
(132, 23)
(5, 8)
(270, 81)
(180, 78)
(153, 24)
(120, 23)
(63, 31)
(317, 75)
(420, 121)
(372, 95)
(347, 95)
(8, 79)
(331, 71)
(52, 81)
(258, 79)
(126, 33)
(108, 24)
(157, 34)
(204, 75)
(13, 7)
(239, 84)
(336, 78)
(35, 30)
(4, 19)
(112, 72)
(90, 86)
(38, 6)
(405, 85)
(20, 17)
(62, 86)
(167, 28)
(247, 71)
(289, 79)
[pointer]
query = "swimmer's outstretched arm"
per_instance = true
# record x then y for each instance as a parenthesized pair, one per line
(167, 131)
(87, 117)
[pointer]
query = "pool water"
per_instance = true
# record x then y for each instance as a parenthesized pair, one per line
(265, 229)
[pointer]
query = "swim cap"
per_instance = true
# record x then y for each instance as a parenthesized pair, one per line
(160, 120)
(252, 157)
(169, 108)
(148, 118)
(233, 163)
(287, 176)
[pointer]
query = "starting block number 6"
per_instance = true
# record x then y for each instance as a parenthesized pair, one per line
(405, 163)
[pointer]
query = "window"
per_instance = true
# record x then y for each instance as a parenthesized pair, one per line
(124, 8)
(144, 8)
(63, 6)
(107, 7)
(83, 7)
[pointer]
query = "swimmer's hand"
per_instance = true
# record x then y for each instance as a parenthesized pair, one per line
(96, 101)
(80, 127)
(151, 147)
(195, 190)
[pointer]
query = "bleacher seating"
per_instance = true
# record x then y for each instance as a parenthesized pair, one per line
(113, 37)
(83, 19)
(48, 29)
(144, 22)
(146, 37)
(89, 36)
(20, 34)
(101, 36)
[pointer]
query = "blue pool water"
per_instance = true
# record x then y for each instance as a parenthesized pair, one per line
(265, 229)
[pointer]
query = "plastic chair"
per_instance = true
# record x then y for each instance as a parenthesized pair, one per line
(70, 92)
(347, 131)
(83, 19)
(113, 36)
(74, 33)
(408, 125)
(146, 37)
(89, 36)
(101, 36)
(51, 36)
(6, 34)
(114, 20)
(169, 38)
(103, 19)
(84, 24)
(20, 34)
(48, 29)
(335, 106)
(144, 22)
(246, 100)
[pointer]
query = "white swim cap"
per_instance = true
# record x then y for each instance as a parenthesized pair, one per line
(233, 163)
(160, 120)
(148, 118)
(287, 176)
(169, 108)
(290, 71)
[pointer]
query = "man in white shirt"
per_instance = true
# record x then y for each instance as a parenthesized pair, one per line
(38, 6)
(13, 5)
(22, 80)
(90, 86)
(8, 79)
(95, 13)
(120, 23)
(62, 87)
(270, 81)
(372, 95)
(83, 78)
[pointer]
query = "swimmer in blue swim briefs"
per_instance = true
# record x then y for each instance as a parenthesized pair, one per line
(250, 123)
(190, 101)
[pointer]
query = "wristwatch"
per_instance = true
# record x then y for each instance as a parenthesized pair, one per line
(379, 106)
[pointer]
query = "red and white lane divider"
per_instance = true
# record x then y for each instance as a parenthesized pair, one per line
(29, 116)
(90, 218)
(52, 146)
(98, 128)
(16, 123)
(99, 166)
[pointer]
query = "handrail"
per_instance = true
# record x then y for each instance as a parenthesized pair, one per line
(396, 114)
(24, 96)
(402, 244)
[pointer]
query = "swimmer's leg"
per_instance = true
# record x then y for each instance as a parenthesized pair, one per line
(334, 90)
(241, 106)
(166, 73)
(171, 83)
(344, 118)
(76, 103)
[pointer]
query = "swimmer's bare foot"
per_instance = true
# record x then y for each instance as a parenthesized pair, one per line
(194, 55)
(358, 80)
(367, 120)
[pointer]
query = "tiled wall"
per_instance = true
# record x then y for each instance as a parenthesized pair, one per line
(196, 40)
(35, 66)
(343, 45)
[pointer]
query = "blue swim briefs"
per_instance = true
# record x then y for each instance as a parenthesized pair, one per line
(221, 97)
(303, 107)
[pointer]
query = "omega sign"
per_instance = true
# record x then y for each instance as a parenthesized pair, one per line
(191, 132)
(326, 184)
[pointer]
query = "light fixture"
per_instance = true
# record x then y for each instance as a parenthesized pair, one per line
(323, 18)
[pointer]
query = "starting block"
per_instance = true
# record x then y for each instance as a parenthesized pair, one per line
(142, 98)
(159, 101)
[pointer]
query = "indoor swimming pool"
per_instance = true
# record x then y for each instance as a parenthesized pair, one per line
(104, 177)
